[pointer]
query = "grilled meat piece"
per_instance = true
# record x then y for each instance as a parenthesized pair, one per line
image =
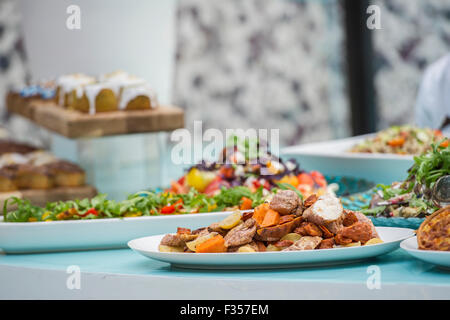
(326, 211)
(173, 240)
(305, 243)
(327, 244)
(309, 229)
(359, 231)
(285, 202)
(241, 234)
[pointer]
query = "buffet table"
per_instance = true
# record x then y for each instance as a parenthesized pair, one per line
(123, 274)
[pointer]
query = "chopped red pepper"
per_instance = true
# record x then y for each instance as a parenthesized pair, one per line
(168, 209)
(179, 204)
(256, 183)
(90, 211)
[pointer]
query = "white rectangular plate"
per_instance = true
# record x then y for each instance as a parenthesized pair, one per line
(148, 247)
(332, 158)
(27, 237)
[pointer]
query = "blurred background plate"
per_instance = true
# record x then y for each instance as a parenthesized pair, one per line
(333, 158)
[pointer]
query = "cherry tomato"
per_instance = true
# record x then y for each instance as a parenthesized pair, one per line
(304, 178)
(319, 179)
(168, 209)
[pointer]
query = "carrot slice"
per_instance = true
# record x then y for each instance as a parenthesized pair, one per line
(246, 203)
(396, 142)
(272, 218)
(214, 245)
(260, 212)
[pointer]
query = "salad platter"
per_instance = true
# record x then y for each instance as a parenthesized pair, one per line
(383, 157)
(25, 237)
(285, 232)
(425, 190)
(99, 223)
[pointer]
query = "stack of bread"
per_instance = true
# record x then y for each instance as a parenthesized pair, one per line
(109, 92)
(26, 167)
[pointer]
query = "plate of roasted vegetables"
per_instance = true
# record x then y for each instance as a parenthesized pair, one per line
(432, 243)
(286, 231)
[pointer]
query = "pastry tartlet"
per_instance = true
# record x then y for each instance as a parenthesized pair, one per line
(33, 177)
(98, 97)
(137, 98)
(434, 232)
(70, 87)
(7, 180)
(66, 174)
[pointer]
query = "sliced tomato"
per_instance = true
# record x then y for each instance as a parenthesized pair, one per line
(227, 172)
(215, 185)
(304, 178)
(319, 179)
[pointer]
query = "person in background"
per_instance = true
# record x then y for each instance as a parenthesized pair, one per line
(433, 102)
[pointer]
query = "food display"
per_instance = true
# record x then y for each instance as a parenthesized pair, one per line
(285, 223)
(42, 90)
(25, 167)
(239, 167)
(88, 94)
(434, 232)
(140, 204)
(425, 190)
(402, 140)
(109, 92)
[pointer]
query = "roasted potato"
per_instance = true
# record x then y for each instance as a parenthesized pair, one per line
(164, 248)
(192, 245)
(275, 233)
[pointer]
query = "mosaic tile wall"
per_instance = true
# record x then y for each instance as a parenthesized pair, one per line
(13, 74)
(414, 34)
(262, 64)
(272, 64)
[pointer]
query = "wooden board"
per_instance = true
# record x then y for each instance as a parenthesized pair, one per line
(41, 197)
(74, 124)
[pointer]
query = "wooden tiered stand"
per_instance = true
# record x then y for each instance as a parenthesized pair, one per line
(71, 128)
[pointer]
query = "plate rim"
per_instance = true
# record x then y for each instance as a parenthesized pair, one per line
(300, 150)
(110, 220)
(404, 244)
(233, 254)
